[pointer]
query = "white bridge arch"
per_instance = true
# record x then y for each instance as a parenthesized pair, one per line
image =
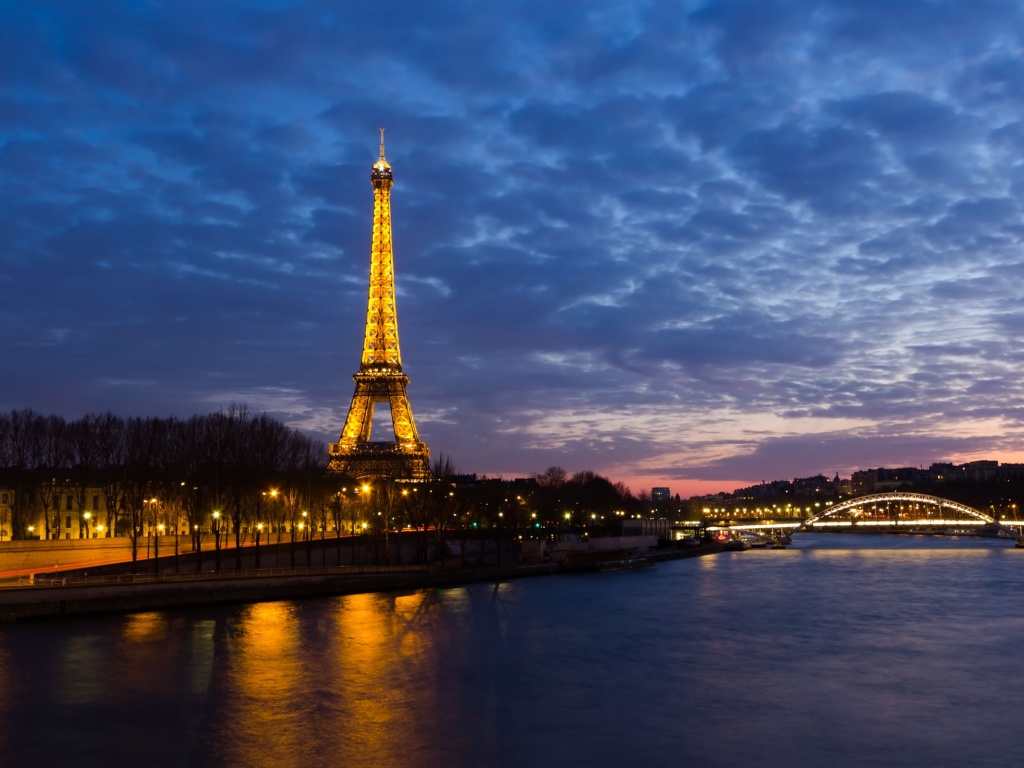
(853, 511)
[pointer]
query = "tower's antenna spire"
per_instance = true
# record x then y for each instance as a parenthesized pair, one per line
(382, 146)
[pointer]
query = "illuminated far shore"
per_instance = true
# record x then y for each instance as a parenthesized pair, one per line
(858, 524)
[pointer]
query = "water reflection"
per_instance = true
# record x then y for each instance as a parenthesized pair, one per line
(359, 675)
(260, 687)
(825, 655)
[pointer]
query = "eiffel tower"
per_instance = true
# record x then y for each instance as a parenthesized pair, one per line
(380, 378)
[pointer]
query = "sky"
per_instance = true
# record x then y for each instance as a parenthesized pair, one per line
(695, 244)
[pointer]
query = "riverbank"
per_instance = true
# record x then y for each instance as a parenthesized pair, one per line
(57, 594)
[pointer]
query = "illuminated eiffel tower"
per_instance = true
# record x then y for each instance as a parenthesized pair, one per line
(380, 378)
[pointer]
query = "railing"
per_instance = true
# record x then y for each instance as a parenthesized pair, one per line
(44, 580)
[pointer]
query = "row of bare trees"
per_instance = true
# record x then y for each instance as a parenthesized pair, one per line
(148, 468)
(228, 472)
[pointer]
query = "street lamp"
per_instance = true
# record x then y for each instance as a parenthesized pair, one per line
(216, 536)
(87, 516)
(497, 546)
(151, 516)
(156, 548)
(259, 530)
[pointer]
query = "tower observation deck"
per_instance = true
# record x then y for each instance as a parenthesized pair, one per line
(380, 378)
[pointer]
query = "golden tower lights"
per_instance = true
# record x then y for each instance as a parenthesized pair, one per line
(380, 378)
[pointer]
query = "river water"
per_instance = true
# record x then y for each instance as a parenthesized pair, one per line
(842, 650)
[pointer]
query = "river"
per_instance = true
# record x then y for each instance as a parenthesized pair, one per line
(842, 650)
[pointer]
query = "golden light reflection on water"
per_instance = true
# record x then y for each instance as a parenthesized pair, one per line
(147, 642)
(262, 684)
(383, 650)
(267, 658)
(355, 678)
(144, 627)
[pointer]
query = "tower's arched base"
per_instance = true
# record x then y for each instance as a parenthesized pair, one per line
(398, 461)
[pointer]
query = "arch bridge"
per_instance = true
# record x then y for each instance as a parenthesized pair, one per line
(892, 511)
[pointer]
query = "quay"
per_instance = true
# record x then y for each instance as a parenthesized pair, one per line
(56, 593)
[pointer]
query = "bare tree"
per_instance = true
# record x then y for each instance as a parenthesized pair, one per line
(140, 439)
(110, 457)
(82, 473)
(51, 479)
(25, 432)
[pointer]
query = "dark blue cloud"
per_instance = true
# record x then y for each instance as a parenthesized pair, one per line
(836, 170)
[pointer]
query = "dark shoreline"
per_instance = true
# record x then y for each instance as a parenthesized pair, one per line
(67, 595)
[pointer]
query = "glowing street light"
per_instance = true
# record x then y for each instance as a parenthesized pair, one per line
(259, 530)
(216, 536)
(156, 547)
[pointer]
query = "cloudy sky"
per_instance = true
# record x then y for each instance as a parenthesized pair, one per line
(697, 244)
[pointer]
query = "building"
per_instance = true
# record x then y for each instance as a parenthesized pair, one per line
(883, 479)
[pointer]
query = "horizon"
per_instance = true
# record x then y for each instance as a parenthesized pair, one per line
(714, 488)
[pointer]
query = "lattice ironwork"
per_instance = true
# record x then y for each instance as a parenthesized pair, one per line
(380, 378)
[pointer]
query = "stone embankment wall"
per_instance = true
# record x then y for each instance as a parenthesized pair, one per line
(75, 597)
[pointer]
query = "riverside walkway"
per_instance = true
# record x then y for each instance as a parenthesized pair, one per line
(75, 592)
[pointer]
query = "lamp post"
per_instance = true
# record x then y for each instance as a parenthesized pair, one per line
(304, 530)
(292, 547)
(497, 546)
(259, 530)
(403, 518)
(273, 517)
(150, 519)
(87, 516)
(337, 523)
(216, 537)
(156, 548)
(365, 491)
